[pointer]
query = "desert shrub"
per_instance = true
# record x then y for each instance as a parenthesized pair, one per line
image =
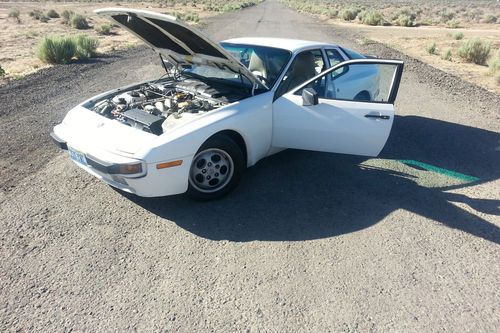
(56, 50)
(36, 13)
(66, 15)
(44, 18)
(193, 17)
(494, 63)
(52, 13)
(405, 20)
(78, 21)
(333, 13)
(372, 17)
(475, 50)
(367, 41)
(86, 46)
(458, 35)
(431, 48)
(104, 29)
(60, 50)
(15, 14)
(349, 14)
(447, 16)
(453, 24)
(39, 15)
(446, 55)
(490, 19)
(2, 71)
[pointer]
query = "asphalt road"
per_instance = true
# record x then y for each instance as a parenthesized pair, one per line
(308, 241)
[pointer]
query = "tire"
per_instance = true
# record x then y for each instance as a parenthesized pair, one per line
(216, 169)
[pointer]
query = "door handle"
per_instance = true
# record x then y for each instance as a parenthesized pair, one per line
(379, 116)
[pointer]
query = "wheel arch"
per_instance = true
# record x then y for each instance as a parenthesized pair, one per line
(236, 137)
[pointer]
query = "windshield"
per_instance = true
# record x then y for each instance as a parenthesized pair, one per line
(266, 63)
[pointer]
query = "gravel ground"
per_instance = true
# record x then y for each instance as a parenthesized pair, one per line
(308, 241)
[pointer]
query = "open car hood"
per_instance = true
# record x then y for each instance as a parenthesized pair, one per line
(179, 43)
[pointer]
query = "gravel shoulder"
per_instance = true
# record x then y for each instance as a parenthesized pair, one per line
(308, 242)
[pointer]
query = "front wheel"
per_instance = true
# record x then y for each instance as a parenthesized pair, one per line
(216, 169)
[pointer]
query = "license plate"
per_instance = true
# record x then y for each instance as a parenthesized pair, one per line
(77, 156)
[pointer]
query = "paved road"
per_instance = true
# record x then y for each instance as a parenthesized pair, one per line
(307, 242)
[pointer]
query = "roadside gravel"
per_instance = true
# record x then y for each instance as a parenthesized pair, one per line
(308, 241)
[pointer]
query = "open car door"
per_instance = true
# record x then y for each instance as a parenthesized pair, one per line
(349, 108)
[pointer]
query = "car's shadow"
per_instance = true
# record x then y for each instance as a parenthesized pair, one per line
(300, 195)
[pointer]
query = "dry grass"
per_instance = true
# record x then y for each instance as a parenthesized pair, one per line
(19, 42)
(449, 13)
(422, 30)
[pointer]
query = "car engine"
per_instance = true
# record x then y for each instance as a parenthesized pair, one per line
(148, 106)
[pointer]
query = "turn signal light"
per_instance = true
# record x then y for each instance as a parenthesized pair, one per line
(169, 164)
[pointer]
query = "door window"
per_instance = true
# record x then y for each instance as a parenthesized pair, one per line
(305, 66)
(334, 57)
(366, 82)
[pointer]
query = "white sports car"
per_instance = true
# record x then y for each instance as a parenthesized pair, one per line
(220, 108)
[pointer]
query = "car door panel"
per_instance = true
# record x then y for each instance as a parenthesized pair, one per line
(337, 123)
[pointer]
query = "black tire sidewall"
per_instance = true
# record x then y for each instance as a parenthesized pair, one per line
(226, 144)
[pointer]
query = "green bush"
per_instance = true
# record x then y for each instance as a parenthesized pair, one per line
(453, 24)
(446, 55)
(405, 20)
(15, 14)
(494, 63)
(85, 46)
(349, 14)
(66, 15)
(372, 17)
(104, 29)
(52, 13)
(458, 35)
(36, 13)
(44, 18)
(2, 71)
(333, 13)
(60, 50)
(193, 17)
(431, 48)
(447, 16)
(490, 19)
(475, 50)
(56, 50)
(78, 21)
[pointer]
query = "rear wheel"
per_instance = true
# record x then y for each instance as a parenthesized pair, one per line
(216, 169)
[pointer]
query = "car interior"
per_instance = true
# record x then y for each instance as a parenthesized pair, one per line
(305, 66)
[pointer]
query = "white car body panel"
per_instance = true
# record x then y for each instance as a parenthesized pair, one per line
(266, 125)
(331, 126)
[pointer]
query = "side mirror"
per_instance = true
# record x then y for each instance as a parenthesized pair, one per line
(309, 97)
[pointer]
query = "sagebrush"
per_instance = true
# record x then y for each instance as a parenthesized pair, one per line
(61, 50)
(475, 50)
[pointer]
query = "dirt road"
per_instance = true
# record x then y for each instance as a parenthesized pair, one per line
(308, 241)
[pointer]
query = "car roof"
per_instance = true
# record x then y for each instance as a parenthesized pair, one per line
(289, 44)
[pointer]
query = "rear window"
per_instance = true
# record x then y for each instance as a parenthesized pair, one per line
(352, 55)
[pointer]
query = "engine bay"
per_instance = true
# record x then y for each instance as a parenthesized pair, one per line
(148, 106)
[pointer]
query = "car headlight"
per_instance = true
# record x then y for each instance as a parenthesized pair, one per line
(135, 169)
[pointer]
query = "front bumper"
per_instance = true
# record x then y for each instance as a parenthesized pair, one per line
(153, 183)
(58, 141)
